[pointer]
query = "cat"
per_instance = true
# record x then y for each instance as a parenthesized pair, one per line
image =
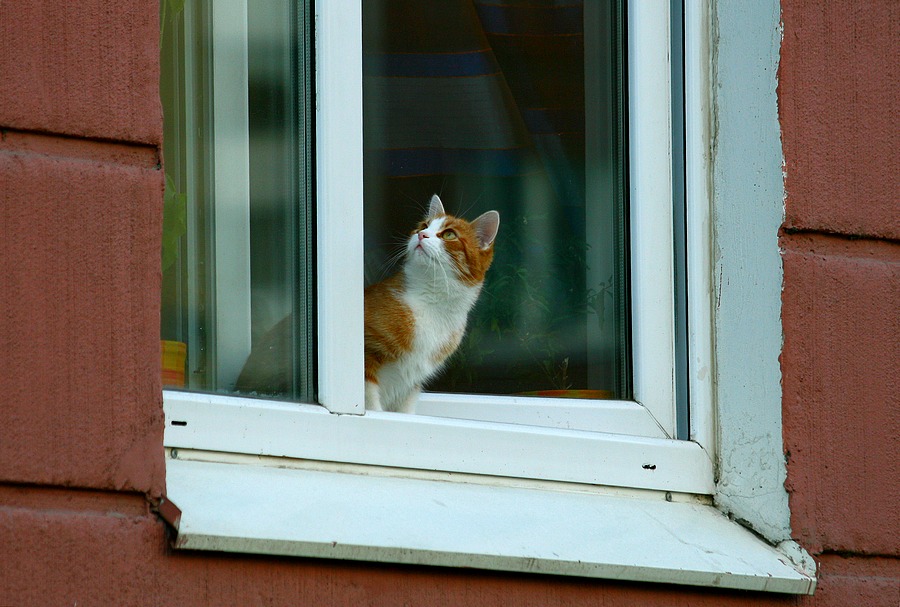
(267, 370)
(416, 319)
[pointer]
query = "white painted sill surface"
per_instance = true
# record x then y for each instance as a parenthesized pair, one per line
(249, 504)
(294, 431)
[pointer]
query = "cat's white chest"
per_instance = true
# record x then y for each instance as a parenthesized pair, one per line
(439, 326)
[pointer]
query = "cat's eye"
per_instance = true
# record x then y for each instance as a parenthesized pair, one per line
(448, 235)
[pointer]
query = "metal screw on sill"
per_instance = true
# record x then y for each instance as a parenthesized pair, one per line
(668, 496)
(174, 453)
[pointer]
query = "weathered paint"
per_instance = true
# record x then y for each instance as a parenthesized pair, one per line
(79, 323)
(748, 209)
(845, 581)
(838, 91)
(80, 221)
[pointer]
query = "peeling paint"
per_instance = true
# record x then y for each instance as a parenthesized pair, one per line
(748, 198)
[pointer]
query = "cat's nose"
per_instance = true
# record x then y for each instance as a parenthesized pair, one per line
(422, 235)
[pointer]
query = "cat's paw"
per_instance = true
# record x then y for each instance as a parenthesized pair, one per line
(409, 403)
(373, 397)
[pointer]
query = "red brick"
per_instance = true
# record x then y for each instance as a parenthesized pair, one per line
(63, 556)
(92, 548)
(89, 556)
(79, 299)
(851, 581)
(839, 82)
(88, 68)
(840, 392)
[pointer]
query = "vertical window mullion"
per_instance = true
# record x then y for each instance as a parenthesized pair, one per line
(682, 347)
(698, 210)
(304, 337)
(339, 197)
(650, 159)
(193, 126)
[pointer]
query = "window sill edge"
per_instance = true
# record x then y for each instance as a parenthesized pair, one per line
(336, 515)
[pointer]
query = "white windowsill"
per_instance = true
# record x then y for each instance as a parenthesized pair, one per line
(278, 506)
(228, 424)
(610, 416)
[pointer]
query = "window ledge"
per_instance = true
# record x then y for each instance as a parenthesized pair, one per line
(396, 440)
(371, 514)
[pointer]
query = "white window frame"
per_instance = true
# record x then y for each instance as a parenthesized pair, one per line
(603, 449)
(647, 422)
(339, 149)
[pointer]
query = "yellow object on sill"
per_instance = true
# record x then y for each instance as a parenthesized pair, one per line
(173, 357)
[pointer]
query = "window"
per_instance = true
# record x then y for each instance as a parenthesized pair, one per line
(265, 222)
(238, 239)
(518, 108)
(558, 307)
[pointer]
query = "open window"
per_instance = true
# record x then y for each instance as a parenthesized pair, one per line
(294, 160)
(520, 109)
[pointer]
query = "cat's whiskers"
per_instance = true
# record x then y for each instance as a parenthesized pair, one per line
(446, 278)
(391, 262)
(433, 270)
(439, 287)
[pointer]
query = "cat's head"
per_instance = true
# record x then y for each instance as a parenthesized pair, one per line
(448, 243)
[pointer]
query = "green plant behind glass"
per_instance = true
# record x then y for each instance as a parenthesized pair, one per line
(531, 311)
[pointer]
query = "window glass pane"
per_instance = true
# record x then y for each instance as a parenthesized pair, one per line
(516, 107)
(235, 87)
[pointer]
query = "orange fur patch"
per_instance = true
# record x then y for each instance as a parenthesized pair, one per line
(448, 348)
(471, 261)
(389, 325)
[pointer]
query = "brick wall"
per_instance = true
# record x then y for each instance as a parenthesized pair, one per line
(838, 92)
(81, 416)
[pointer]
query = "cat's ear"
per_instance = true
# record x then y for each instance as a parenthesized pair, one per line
(486, 227)
(435, 208)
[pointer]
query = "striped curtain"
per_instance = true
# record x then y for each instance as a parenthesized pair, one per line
(482, 99)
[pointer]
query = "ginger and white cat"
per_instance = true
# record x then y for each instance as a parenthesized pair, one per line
(416, 319)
